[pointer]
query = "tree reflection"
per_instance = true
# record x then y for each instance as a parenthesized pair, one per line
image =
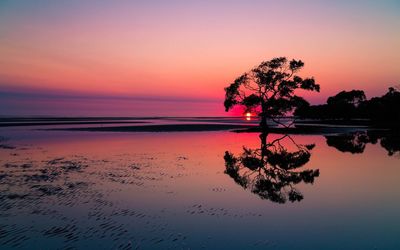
(356, 142)
(272, 171)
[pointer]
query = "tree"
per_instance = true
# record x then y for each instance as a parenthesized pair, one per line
(268, 89)
(384, 109)
(272, 171)
(345, 104)
(353, 97)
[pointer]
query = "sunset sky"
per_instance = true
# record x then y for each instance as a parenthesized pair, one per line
(138, 58)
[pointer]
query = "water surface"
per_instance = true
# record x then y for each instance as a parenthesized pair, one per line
(170, 190)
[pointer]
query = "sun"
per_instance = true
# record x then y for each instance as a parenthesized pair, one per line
(248, 116)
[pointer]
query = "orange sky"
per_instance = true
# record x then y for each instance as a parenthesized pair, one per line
(194, 49)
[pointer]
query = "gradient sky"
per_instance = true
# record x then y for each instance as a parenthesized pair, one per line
(175, 57)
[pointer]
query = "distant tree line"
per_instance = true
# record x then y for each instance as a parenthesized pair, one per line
(354, 105)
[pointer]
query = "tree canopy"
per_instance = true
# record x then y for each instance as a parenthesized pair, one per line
(347, 97)
(269, 89)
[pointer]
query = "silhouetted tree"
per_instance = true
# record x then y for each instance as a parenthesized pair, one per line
(305, 110)
(384, 108)
(272, 171)
(342, 105)
(349, 97)
(353, 104)
(268, 89)
(345, 103)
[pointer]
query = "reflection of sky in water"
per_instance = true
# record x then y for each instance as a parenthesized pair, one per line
(169, 190)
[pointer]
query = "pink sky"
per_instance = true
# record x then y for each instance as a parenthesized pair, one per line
(184, 50)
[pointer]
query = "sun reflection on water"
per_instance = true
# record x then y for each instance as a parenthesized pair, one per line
(248, 116)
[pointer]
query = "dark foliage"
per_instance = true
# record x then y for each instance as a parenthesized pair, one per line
(272, 171)
(353, 105)
(356, 142)
(354, 97)
(353, 142)
(268, 89)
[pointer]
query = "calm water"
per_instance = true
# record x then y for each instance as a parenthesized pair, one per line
(105, 190)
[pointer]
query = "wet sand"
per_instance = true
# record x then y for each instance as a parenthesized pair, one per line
(184, 124)
(20, 124)
(299, 129)
(162, 128)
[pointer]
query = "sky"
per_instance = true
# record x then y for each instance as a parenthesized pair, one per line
(158, 58)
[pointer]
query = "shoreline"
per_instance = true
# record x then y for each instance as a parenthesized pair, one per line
(160, 128)
(190, 124)
(303, 130)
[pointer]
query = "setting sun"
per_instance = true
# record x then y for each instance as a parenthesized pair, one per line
(248, 116)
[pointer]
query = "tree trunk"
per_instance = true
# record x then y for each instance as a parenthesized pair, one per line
(263, 138)
(264, 131)
(263, 122)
